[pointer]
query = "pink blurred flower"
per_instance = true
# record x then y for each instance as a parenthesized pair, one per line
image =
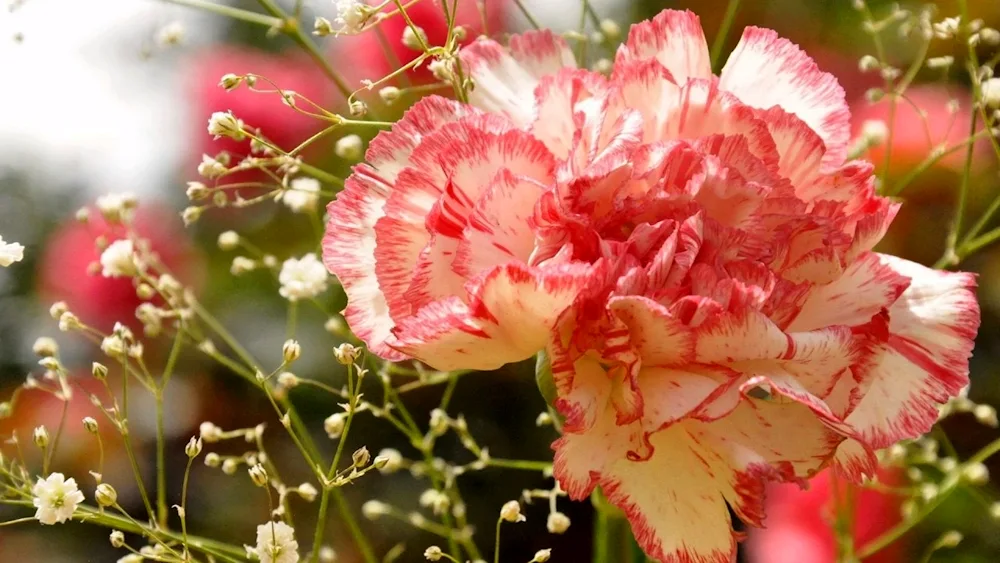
(800, 522)
(692, 252)
(266, 111)
(930, 117)
(101, 301)
(367, 55)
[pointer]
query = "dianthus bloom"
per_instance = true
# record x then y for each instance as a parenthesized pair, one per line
(56, 497)
(692, 252)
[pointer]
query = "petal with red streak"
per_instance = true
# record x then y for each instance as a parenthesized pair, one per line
(675, 39)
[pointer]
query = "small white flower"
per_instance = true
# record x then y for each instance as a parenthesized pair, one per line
(10, 252)
(224, 124)
(349, 147)
(118, 259)
(276, 543)
(56, 497)
(116, 207)
(991, 93)
(211, 167)
(302, 278)
(351, 15)
(302, 194)
(171, 34)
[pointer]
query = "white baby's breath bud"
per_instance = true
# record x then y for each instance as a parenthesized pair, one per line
(461, 33)
(302, 278)
(874, 132)
(290, 351)
(393, 461)
(307, 492)
(114, 346)
(258, 475)
(940, 62)
(45, 347)
(69, 321)
(414, 38)
(950, 539)
(868, 63)
(358, 108)
(557, 523)
(947, 464)
(193, 447)
(373, 509)
(212, 459)
(209, 432)
(242, 265)
(541, 556)
(986, 415)
(145, 292)
(349, 147)
(191, 214)
(511, 512)
(361, 457)
(116, 207)
(117, 539)
(196, 191)
(230, 81)
(438, 422)
(105, 495)
(991, 93)
(41, 437)
(334, 425)
(119, 260)
(98, 370)
(302, 194)
(389, 94)
(989, 36)
(603, 65)
(543, 419)
(171, 34)
(351, 15)
(90, 425)
(229, 466)
(874, 95)
(433, 553)
(976, 474)
(57, 309)
(288, 379)
(228, 240)
(211, 167)
(346, 353)
(322, 27)
(442, 69)
(610, 29)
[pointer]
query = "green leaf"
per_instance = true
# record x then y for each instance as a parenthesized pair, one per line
(547, 387)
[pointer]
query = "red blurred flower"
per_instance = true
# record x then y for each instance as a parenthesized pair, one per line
(266, 111)
(367, 55)
(101, 301)
(800, 522)
(925, 120)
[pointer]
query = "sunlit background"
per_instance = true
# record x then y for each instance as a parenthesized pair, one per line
(114, 96)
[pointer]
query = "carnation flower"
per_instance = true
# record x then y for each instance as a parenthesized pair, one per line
(56, 497)
(276, 543)
(301, 195)
(692, 252)
(10, 252)
(302, 278)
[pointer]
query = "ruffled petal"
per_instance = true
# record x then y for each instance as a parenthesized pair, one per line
(505, 79)
(509, 315)
(675, 39)
(925, 360)
(766, 70)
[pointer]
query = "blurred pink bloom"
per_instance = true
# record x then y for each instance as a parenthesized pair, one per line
(266, 111)
(799, 525)
(693, 253)
(367, 55)
(101, 301)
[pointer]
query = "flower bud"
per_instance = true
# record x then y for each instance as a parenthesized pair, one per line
(334, 425)
(950, 538)
(41, 437)
(986, 414)
(288, 379)
(196, 191)
(433, 553)
(117, 539)
(307, 492)
(90, 425)
(976, 474)
(258, 475)
(610, 29)
(389, 94)
(45, 347)
(346, 353)
(373, 509)
(414, 38)
(349, 147)
(209, 432)
(105, 495)
(358, 108)
(229, 466)
(212, 459)
(291, 351)
(224, 124)
(511, 512)
(361, 457)
(57, 309)
(393, 461)
(541, 556)
(193, 447)
(191, 214)
(557, 523)
(229, 240)
(99, 370)
(322, 27)
(230, 81)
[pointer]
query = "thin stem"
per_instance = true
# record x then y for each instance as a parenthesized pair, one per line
(161, 470)
(963, 191)
(230, 12)
(183, 511)
(523, 464)
(527, 15)
(602, 551)
(496, 547)
(723, 33)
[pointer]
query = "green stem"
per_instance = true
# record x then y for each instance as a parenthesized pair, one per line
(524, 464)
(527, 15)
(724, 27)
(229, 11)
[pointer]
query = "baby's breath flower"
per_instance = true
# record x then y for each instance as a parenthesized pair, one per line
(541, 556)
(414, 38)
(211, 167)
(196, 191)
(55, 498)
(302, 194)
(258, 475)
(41, 437)
(117, 538)
(105, 495)
(10, 252)
(433, 553)
(349, 147)
(302, 278)
(276, 543)
(288, 379)
(193, 447)
(45, 347)
(991, 94)
(119, 260)
(511, 512)
(113, 346)
(557, 523)
(116, 207)
(334, 425)
(610, 29)
(242, 265)
(228, 240)
(389, 94)
(90, 425)
(230, 81)
(171, 34)
(290, 351)
(225, 124)
(393, 460)
(209, 432)
(374, 509)
(346, 353)
(351, 15)
(307, 492)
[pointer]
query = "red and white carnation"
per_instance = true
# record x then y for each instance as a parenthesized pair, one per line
(693, 253)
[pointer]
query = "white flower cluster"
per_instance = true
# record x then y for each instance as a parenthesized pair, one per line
(118, 260)
(276, 543)
(10, 252)
(302, 278)
(301, 195)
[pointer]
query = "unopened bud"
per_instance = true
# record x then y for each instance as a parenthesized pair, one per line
(346, 353)
(389, 94)
(117, 539)
(230, 81)
(290, 351)
(41, 437)
(45, 347)
(105, 495)
(361, 457)
(229, 240)
(193, 447)
(414, 40)
(99, 370)
(542, 555)
(511, 512)
(349, 147)
(258, 475)
(334, 425)
(90, 425)
(557, 523)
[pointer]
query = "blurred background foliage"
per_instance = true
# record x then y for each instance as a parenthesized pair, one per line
(39, 195)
